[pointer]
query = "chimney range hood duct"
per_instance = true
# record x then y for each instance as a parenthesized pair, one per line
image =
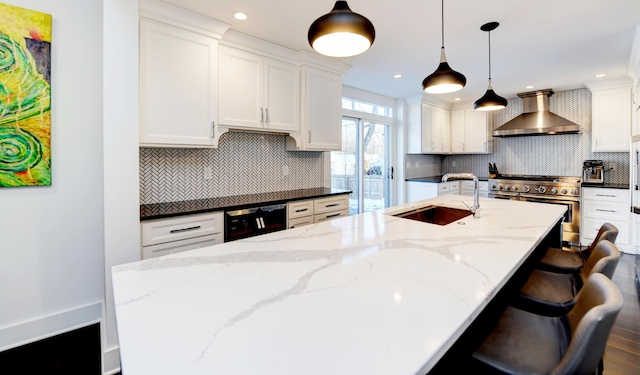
(536, 118)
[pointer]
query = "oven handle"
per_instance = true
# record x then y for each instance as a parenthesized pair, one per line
(539, 198)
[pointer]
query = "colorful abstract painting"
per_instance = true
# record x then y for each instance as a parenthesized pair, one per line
(25, 97)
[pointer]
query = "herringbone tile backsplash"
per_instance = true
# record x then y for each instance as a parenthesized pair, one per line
(554, 155)
(244, 163)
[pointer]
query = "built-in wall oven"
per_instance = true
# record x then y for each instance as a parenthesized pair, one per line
(564, 191)
(249, 222)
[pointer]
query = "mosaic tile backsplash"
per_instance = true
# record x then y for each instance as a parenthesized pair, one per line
(244, 163)
(557, 155)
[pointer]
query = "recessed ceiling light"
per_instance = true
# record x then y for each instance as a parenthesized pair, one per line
(397, 76)
(600, 75)
(529, 87)
(456, 99)
(240, 16)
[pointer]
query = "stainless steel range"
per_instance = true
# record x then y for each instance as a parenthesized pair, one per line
(544, 189)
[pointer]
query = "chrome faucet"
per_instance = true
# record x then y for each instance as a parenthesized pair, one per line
(476, 188)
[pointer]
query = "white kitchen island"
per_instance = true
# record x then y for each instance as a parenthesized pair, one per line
(364, 294)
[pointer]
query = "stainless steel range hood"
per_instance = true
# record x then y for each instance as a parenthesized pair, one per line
(536, 118)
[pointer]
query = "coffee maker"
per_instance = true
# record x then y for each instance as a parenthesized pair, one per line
(593, 171)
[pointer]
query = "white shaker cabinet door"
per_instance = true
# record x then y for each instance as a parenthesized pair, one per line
(322, 106)
(611, 111)
(178, 84)
(476, 132)
(241, 90)
(282, 96)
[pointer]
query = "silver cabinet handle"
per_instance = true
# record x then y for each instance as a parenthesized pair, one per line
(332, 205)
(605, 195)
(601, 210)
(184, 229)
(302, 210)
(213, 129)
(261, 115)
(463, 147)
(309, 132)
(267, 117)
(334, 215)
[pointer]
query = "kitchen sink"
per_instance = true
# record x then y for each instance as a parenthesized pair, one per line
(435, 214)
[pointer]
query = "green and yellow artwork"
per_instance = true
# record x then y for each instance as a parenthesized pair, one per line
(25, 97)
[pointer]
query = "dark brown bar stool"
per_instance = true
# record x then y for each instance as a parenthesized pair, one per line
(561, 261)
(526, 343)
(552, 294)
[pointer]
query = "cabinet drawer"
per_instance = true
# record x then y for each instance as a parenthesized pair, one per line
(299, 209)
(330, 216)
(608, 195)
(155, 251)
(331, 204)
(300, 222)
(173, 229)
(443, 188)
(605, 210)
(466, 184)
(484, 186)
(590, 227)
(454, 187)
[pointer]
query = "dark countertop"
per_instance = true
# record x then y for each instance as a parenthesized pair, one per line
(170, 209)
(605, 185)
(437, 179)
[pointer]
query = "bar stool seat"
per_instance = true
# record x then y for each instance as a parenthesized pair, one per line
(551, 294)
(525, 343)
(562, 261)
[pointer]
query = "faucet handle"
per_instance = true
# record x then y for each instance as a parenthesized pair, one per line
(471, 208)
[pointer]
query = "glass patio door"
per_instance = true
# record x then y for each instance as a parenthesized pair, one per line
(363, 165)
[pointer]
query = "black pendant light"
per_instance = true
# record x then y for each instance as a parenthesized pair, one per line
(444, 79)
(490, 101)
(341, 33)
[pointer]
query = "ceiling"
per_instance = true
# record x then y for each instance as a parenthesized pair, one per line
(559, 44)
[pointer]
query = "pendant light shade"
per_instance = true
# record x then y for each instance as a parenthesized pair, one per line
(341, 33)
(490, 101)
(444, 79)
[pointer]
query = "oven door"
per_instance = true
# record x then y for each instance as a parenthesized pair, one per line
(571, 222)
(512, 197)
(251, 222)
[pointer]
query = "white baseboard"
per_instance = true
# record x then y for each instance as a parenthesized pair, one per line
(111, 361)
(41, 328)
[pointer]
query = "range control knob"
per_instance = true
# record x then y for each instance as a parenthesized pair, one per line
(494, 186)
(507, 187)
(525, 188)
(514, 188)
(500, 186)
(554, 191)
(542, 189)
(574, 191)
(564, 191)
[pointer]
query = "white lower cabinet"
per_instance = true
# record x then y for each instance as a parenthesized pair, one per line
(599, 206)
(466, 188)
(177, 234)
(418, 191)
(300, 213)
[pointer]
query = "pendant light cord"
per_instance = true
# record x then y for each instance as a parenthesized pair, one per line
(489, 55)
(442, 16)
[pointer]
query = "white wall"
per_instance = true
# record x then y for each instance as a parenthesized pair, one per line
(58, 243)
(51, 238)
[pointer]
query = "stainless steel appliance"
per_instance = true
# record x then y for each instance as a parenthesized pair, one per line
(593, 171)
(560, 190)
(254, 221)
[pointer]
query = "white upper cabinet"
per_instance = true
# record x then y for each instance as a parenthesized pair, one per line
(470, 133)
(321, 125)
(611, 116)
(429, 129)
(178, 86)
(257, 92)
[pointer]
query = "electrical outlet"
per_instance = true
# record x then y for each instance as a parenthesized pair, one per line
(208, 173)
(453, 163)
(285, 170)
(613, 165)
(408, 165)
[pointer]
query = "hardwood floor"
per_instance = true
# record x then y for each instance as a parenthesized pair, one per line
(622, 355)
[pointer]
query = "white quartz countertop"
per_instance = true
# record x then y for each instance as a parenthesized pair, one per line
(369, 293)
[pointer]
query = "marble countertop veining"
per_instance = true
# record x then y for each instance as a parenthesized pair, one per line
(369, 293)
